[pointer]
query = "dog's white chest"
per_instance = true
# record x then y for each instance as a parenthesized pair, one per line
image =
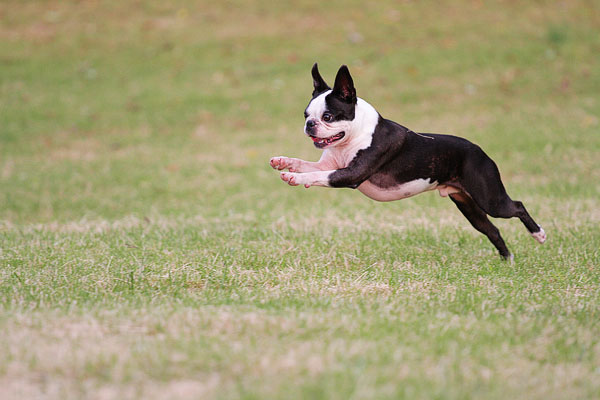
(398, 192)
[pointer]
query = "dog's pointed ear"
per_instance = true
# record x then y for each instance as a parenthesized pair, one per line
(319, 83)
(344, 86)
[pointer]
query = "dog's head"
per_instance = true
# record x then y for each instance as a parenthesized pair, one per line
(330, 113)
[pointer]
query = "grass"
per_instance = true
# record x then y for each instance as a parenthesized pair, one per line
(148, 251)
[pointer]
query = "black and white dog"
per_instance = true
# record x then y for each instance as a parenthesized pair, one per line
(387, 161)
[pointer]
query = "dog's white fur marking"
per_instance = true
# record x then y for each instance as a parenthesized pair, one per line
(540, 235)
(397, 192)
(317, 106)
(359, 134)
(307, 179)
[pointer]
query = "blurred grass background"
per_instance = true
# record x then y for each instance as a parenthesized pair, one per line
(147, 249)
(114, 108)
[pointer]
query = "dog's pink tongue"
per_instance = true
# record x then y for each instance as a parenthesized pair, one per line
(315, 139)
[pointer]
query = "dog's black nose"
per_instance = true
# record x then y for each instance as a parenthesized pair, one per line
(310, 123)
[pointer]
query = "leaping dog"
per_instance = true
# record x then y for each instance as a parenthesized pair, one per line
(387, 161)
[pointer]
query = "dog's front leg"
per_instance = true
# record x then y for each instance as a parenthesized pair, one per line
(327, 162)
(296, 164)
(350, 177)
(329, 174)
(307, 179)
(306, 173)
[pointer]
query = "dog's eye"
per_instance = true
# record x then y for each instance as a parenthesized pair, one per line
(327, 117)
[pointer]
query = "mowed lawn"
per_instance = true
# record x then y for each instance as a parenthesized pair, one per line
(147, 250)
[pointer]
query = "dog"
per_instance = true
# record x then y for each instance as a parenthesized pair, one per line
(387, 161)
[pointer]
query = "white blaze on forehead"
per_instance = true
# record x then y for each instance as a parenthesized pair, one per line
(317, 106)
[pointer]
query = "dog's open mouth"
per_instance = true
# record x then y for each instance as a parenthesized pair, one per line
(323, 142)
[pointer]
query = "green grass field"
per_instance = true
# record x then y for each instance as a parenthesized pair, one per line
(147, 250)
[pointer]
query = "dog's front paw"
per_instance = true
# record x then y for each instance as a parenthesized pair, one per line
(282, 163)
(289, 177)
(295, 179)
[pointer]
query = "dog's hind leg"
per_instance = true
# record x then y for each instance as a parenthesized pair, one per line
(478, 218)
(510, 208)
(481, 180)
